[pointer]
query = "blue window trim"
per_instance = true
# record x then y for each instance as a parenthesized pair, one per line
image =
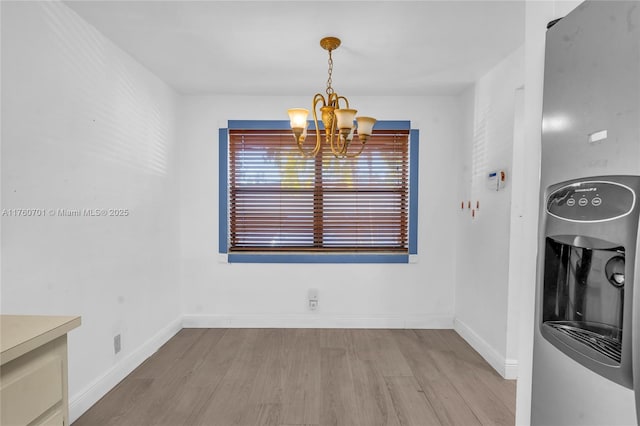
(223, 228)
(223, 194)
(284, 125)
(414, 156)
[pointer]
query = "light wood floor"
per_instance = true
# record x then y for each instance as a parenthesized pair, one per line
(290, 377)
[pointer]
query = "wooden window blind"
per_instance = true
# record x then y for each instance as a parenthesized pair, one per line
(281, 201)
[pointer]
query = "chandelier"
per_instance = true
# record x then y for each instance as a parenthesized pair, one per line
(338, 119)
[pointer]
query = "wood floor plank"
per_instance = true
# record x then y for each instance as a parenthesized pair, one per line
(372, 396)
(190, 403)
(479, 397)
(313, 377)
(231, 398)
(168, 354)
(170, 381)
(333, 338)
(462, 350)
(410, 403)
(504, 389)
(115, 404)
(379, 347)
(264, 402)
(434, 339)
(449, 405)
(188, 407)
(268, 414)
(337, 401)
(301, 389)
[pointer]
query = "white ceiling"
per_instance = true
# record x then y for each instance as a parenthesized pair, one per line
(272, 47)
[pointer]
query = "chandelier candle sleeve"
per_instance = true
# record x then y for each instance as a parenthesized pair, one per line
(365, 127)
(345, 119)
(338, 119)
(298, 121)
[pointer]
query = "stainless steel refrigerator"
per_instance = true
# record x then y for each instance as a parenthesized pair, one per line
(586, 360)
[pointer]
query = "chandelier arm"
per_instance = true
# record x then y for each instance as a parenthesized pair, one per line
(346, 101)
(318, 98)
(338, 147)
(332, 100)
(342, 144)
(362, 145)
(306, 154)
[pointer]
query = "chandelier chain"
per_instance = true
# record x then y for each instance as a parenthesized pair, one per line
(329, 81)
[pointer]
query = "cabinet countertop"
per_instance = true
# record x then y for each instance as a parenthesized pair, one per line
(20, 334)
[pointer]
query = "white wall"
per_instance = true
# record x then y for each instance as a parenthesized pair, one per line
(482, 255)
(84, 126)
(264, 295)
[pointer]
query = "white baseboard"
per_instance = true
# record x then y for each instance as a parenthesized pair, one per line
(83, 400)
(507, 368)
(510, 369)
(315, 321)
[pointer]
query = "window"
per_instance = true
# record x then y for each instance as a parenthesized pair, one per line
(278, 202)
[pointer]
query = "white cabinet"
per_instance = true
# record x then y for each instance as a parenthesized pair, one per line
(33, 376)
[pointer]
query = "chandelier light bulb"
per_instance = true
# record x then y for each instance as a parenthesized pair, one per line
(298, 118)
(298, 122)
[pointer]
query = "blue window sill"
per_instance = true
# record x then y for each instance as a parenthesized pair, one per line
(316, 258)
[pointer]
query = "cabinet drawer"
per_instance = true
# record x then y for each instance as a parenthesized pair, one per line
(30, 391)
(54, 419)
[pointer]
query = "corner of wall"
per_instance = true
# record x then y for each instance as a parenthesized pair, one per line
(507, 368)
(85, 398)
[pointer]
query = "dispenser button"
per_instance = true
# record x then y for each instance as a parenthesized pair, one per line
(571, 202)
(596, 201)
(583, 202)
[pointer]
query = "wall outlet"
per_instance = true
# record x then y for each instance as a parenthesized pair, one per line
(117, 344)
(313, 299)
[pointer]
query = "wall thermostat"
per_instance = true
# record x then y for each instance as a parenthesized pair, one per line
(496, 180)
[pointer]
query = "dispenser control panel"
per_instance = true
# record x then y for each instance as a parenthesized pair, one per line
(591, 201)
